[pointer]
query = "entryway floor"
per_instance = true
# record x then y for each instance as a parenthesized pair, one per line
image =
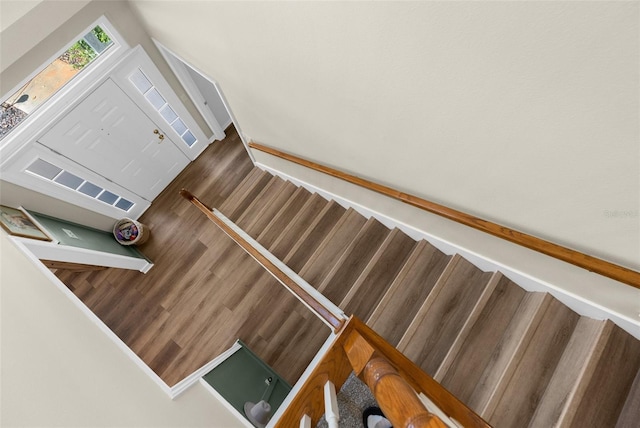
(203, 292)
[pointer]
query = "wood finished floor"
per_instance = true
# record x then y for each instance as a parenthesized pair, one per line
(203, 292)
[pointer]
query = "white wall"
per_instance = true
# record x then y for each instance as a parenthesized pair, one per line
(59, 369)
(524, 113)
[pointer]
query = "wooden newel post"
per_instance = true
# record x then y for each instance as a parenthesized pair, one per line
(396, 398)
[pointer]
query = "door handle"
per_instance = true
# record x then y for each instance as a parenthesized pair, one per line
(160, 136)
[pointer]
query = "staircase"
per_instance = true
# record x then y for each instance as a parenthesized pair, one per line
(516, 358)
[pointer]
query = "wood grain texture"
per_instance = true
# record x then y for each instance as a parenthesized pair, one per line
(630, 415)
(529, 380)
(339, 280)
(590, 263)
(572, 374)
(203, 292)
(505, 356)
(313, 237)
(299, 222)
(467, 327)
(332, 247)
(272, 268)
(77, 267)
(269, 210)
(611, 382)
(370, 287)
(408, 291)
(418, 379)
(273, 230)
(438, 322)
(260, 201)
(465, 371)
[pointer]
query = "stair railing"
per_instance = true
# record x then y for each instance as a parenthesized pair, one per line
(394, 380)
(329, 313)
(585, 261)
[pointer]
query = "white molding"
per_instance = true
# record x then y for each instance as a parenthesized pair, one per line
(13, 171)
(235, 122)
(193, 378)
(580, 304)
(64, 253)
(138, 58)
(44, 116)
(92, 317)
(179, 68)
(326, 346)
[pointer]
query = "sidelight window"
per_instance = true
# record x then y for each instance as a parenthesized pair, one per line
(53, 173)
(153, 96)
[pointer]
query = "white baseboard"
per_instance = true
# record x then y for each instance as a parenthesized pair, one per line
(628, 318)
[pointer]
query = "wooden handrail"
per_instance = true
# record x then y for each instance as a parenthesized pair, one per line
(335, 322)
(585, 261)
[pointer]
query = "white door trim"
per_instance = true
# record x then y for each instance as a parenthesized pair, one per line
(179, 69)
(76, 89)
(14, 172)
(171, 58)
(138, 58)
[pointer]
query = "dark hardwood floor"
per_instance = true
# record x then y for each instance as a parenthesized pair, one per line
(204, 292)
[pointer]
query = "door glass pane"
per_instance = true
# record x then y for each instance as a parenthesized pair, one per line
(189, 138)
(140, 81)
(179, 126)
(90, 189)
(44, 169)
(69, 180)
(168, 114)
(124, 205)
(155, 98)
(108, 197)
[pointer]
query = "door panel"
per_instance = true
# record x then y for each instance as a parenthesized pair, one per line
(109, 134)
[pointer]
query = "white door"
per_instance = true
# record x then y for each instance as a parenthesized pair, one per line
(110, 135)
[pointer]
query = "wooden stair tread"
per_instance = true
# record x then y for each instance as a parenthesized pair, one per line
(274, 228)
(236, 193)
(466, 369)
(262, 199)
(507, 351)
(443, 314)
(630, 415)
(534, 369)
(301, 220)
(247, 195)
(393, 315)
(567, 385)
(332, 247)
(353, 261)
(313, 236)
(612, 379)
(270, 210)
(378, 276)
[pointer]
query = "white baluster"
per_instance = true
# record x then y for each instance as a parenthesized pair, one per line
(305, 422)
(331, 413)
